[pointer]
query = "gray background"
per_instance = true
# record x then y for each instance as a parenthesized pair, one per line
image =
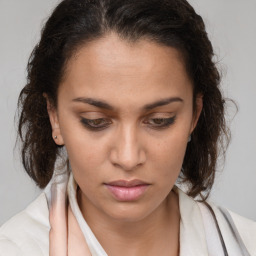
(232, 28)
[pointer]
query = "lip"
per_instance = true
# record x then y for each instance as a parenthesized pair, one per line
(124, 190)
(127, 183)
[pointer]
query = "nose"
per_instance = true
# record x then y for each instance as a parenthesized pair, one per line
(127, 152)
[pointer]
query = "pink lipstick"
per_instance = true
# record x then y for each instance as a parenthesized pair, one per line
(123, 190)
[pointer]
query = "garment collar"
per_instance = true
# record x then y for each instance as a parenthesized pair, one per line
(192, 234)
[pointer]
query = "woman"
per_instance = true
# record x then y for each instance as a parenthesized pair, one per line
(122, 100)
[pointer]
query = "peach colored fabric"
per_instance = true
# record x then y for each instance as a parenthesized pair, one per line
(66, 237)
(77, 245)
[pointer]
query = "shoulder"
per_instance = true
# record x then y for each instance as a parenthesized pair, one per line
(245, 228)
(233, 225)
(28, 231)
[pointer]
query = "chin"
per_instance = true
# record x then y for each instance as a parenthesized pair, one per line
(129, 212)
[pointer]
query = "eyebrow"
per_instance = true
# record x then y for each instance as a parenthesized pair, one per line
(104, 105)
(162, 102)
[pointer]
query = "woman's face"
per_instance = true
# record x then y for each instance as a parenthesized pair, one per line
(125, 114)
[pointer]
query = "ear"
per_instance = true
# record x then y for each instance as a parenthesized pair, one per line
(54, 120)
(197, 112)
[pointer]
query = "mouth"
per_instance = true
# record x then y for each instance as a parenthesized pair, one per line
(123, 190)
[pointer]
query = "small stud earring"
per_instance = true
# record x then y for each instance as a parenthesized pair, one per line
(55, 137)
(189, 138)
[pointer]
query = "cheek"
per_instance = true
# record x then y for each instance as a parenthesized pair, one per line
(168, 156)
(86, 155)
(86, 163)
(172, 149)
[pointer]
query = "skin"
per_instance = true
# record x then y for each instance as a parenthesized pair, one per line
(132, 146)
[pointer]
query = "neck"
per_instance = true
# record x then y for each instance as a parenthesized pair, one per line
(157, 232)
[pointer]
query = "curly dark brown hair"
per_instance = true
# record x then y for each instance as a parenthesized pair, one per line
(172, 23)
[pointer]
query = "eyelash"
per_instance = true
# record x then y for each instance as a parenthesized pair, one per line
(87, 123)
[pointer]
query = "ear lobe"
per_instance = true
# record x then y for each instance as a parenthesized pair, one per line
(54, 120)
(198, 110)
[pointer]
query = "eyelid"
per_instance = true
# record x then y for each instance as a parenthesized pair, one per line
(86, 123)
(94, 119)
(168, 121)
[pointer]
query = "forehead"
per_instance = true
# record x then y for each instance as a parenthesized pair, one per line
(111, 66)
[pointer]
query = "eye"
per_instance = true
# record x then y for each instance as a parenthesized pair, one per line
(95, 124)
(161, 122)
